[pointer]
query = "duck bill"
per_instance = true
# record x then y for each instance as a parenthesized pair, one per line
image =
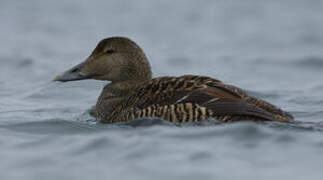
(74, 74)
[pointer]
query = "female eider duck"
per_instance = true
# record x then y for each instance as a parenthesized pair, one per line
(133, 93)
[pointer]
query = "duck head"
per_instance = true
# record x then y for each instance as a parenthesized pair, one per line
(114, 59)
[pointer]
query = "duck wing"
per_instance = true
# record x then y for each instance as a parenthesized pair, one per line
(190, 98)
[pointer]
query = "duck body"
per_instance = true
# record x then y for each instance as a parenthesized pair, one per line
(133, 93)
(182, 99)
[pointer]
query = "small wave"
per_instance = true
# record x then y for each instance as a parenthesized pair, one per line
(311, 62)
(298, 126)
(50, 126)
(18, 62)
(147, 122)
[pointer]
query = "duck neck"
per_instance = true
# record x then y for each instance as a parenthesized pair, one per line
(133, 75)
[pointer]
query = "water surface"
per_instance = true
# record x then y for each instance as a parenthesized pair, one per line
(273, 49)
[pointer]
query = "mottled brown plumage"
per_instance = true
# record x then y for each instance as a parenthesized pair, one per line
(133, 93)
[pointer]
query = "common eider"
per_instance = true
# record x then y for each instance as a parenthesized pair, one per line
(133, 93)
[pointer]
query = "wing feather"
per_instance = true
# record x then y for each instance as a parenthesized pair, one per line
(215, 96)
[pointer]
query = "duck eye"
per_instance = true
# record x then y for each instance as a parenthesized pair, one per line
(110, 51)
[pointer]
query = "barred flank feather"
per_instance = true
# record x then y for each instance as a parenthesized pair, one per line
(179, 113)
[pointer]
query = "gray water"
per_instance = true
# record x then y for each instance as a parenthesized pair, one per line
(273, 49)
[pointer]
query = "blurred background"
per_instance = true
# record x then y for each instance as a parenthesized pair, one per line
(273, 49)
